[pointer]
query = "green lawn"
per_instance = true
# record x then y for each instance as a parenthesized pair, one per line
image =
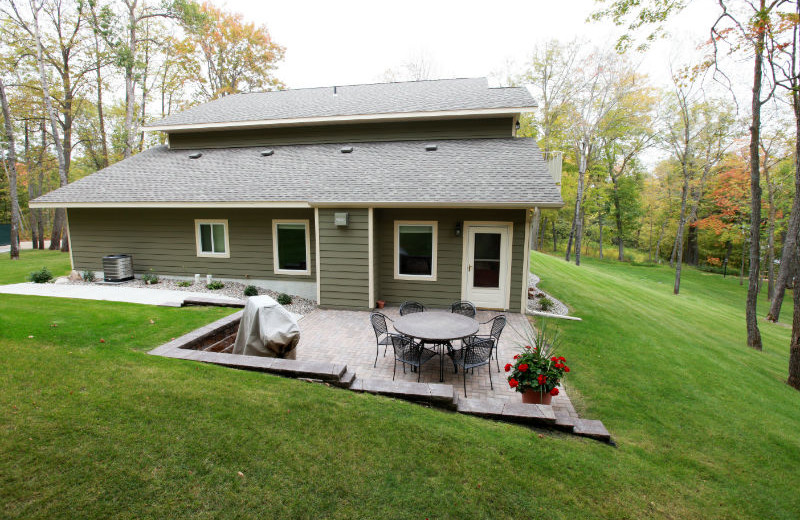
(706, 428)
(32, 260)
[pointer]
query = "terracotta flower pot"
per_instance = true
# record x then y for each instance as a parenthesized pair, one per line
(381, 304)
(531, 396)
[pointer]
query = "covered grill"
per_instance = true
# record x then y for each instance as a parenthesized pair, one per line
(267, 329)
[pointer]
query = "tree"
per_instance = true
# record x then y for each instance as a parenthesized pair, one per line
(604, 81)
(237, 56)
(10, 165)
(697, 133)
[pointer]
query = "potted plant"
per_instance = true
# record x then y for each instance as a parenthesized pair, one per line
(381, 304)
(537, 370)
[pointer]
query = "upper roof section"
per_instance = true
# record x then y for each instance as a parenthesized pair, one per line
(374, 102)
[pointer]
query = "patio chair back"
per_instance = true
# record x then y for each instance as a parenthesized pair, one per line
(476, 354)
(410, 308)
(498, 324)
(464, 308)
(379, 325)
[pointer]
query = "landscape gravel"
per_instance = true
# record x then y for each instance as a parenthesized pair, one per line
(299, 305)
(533, 305)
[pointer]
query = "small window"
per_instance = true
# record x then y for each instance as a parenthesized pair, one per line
(290, 244)
(212, 238)
(415, 250)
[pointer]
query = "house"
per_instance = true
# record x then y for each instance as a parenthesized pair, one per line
(347, 195)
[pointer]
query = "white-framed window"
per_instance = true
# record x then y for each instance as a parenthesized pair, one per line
(212, 238)
(415, 249)
(291, 249)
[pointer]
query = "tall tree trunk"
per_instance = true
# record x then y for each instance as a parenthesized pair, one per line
(58, 221)
(790, 242)
(585, 148)
(40, 186)
(692, 246)
(99, 85)
(741, 267)
(794, 347)
(751, 317)
(10, 163)
(555, 237)
(679, 236)
(618, 215)
(32, 220)
(727, 259)
(660, 239)
(130, 83)
(770, 234)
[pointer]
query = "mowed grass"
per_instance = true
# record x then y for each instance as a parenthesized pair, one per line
(32, 260)
(705, 427)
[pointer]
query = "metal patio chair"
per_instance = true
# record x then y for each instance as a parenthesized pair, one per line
(498, 323)
(411, 307)
(464, 308)
(472, 355)
(409, 352)
(381, 330)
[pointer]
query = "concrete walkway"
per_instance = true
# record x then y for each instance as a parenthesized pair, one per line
(22, 245)
(108, 293)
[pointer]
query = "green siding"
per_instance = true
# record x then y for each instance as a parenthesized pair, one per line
(361, 132)
(164, 240)
(447, 287)
(344, 260)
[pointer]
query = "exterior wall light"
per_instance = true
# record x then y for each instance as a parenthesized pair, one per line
(458, 229)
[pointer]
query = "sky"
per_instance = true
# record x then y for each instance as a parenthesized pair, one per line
(351, 41)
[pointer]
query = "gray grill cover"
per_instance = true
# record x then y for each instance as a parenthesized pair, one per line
(266, 329)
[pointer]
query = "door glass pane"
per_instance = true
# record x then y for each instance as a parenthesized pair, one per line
(219, 238)
(205, 238)
(415, 250)
(487, 260)
(292, 247)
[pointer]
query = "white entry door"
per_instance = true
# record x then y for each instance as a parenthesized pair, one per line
(487, 265)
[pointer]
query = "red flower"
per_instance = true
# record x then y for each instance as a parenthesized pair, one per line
(562, 358)
(554, 391)
(553, 358)
(516, 357)
(513, 383)
(523, 367)
(508, 367)
(542, 379)
(566, 369)
(527, 346)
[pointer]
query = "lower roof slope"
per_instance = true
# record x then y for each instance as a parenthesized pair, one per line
(464, 172)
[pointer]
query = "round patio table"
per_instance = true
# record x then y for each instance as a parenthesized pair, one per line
(437, 328)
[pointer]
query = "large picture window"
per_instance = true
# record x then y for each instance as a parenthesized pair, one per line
(415, 250)
(290, 243)
(212, 238)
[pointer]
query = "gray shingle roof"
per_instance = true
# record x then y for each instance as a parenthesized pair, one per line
(463, 171)
(350, 100)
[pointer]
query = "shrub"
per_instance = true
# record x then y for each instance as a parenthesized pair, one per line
(184, 283)
(43, 275)
(284, 299)
(215, 286)
(545, 303)
(251, 290)
(88, 275)
(150, 278)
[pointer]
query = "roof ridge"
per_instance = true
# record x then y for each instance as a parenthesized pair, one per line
(365, 84)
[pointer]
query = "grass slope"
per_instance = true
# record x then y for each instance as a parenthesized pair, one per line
(32, 260)
(706, 428)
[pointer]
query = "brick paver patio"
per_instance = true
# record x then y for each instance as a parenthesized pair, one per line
(338, 336)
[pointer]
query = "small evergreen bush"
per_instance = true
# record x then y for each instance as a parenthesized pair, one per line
(88, 275)
(184, 283)
(544, 303)
(251, 290)
(43, 275)
(215, 286)
(150, 278)
(284, 299)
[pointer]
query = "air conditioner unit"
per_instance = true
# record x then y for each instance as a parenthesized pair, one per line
(117, 268)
